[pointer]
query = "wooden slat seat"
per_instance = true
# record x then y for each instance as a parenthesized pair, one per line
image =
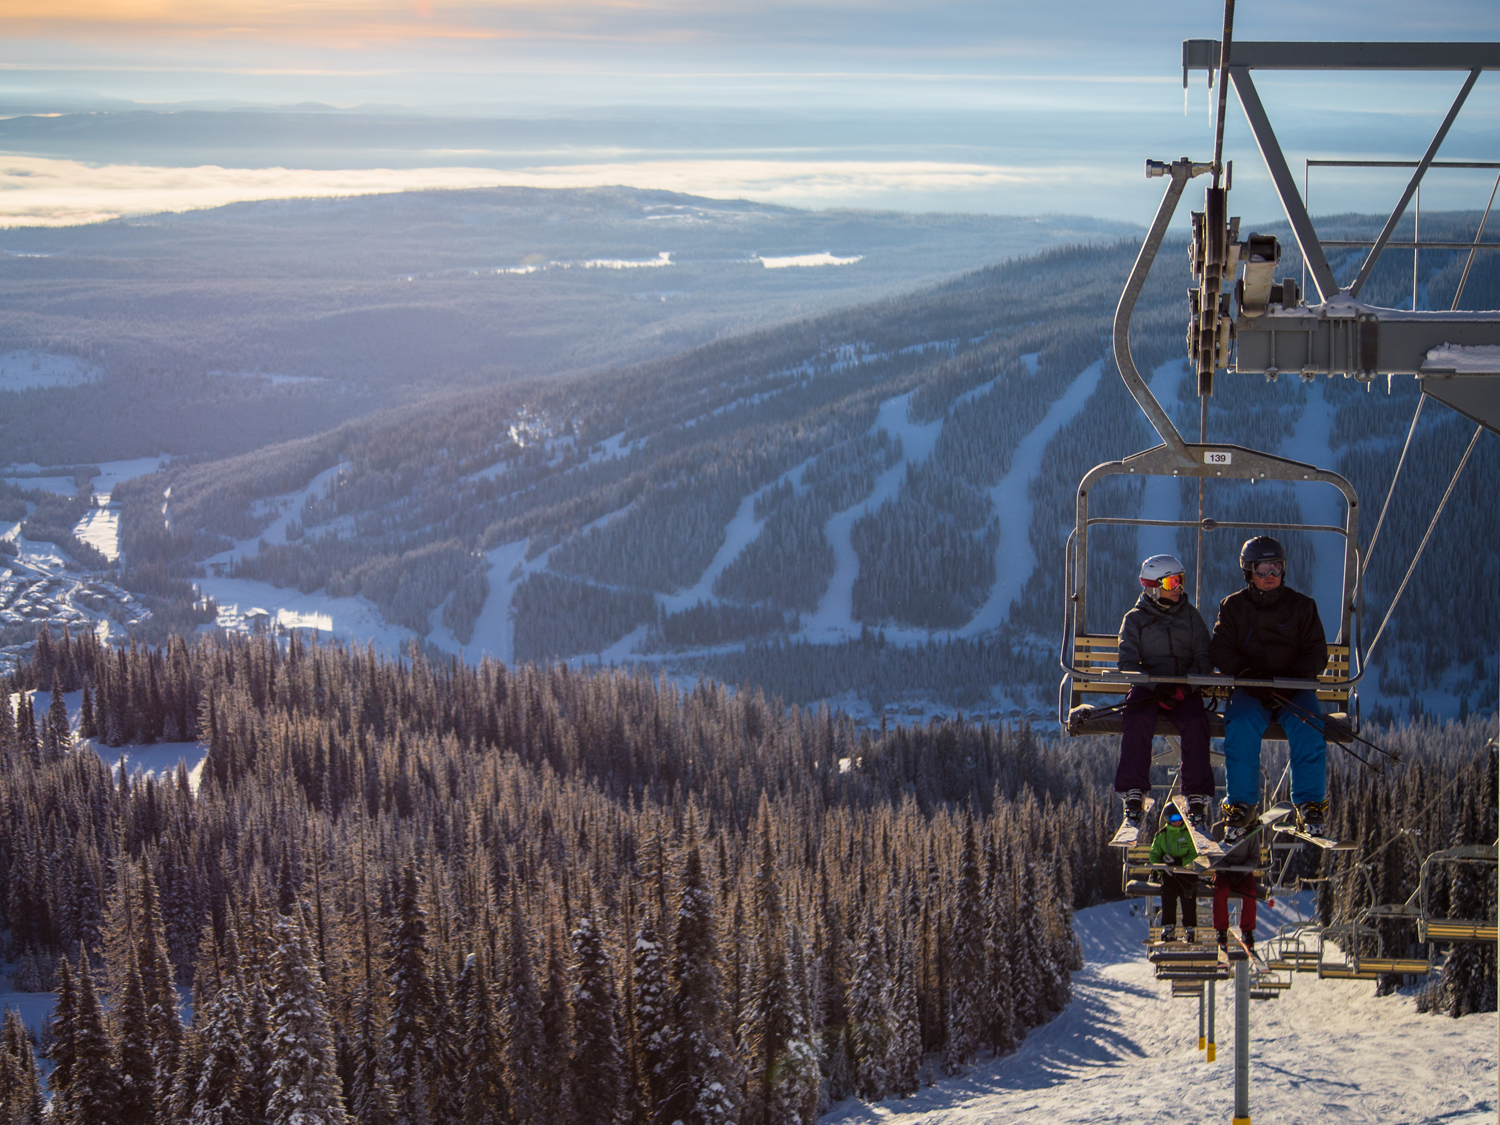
(1411, 966)
(1095, 653)
(1346, 972)
(1454, 929)
(1187, 988)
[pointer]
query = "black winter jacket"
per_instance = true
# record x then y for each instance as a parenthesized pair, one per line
(1164, 639)
(1277, 633)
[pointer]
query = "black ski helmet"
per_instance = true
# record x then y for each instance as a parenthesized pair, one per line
(1258, 550)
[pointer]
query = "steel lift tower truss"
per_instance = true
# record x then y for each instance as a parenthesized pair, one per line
(1454, 355)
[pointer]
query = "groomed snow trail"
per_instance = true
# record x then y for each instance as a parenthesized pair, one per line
(834, 618)
(1125, 1051)
(1014, 558)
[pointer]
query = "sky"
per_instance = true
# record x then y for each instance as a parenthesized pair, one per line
(982, 105)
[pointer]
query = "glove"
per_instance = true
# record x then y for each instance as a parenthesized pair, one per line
(1170, 696)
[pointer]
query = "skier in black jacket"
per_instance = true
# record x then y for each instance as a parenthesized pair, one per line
(1164, 635)
(1265, 631)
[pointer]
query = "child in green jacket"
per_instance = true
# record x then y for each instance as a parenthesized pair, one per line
(1174, 845)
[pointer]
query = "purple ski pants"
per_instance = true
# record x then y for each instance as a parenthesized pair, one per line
(1139, 722)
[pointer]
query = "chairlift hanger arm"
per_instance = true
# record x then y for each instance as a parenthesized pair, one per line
(1178, 172)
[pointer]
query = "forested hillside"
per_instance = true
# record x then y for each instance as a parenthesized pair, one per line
(404, 891)
(905, 469)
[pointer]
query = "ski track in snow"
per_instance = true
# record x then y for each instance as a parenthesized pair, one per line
(1125, 1051)
(1014, 557)
(833, 620)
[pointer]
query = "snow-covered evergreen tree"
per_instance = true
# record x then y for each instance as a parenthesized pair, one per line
(966, 962)
(92, 1095)
(652, 987)
(906, 1024)
(700, 1082)
(870, 1018)
(598, 1058)
(134, 1066)
(999, 921)
(409, 1045)
(522, 1022)
(218, 1092)
(304, 1086)
(485, 1100)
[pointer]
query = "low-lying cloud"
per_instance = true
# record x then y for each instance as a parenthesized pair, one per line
(36, 191)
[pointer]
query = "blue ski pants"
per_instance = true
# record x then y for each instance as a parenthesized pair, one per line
(1245, 721)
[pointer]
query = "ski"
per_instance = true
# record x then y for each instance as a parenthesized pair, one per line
(1254, 957)
(1240, 849)
(1327, 843)
(1129, 833)
(1208, 849)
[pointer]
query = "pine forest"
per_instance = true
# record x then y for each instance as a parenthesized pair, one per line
(399, 890)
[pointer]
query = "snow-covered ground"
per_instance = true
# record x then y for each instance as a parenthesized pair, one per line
(1125, 1051)
(29, 368)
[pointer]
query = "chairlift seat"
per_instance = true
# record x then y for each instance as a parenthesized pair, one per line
(1098, 654)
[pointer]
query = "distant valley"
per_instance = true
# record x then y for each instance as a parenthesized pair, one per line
(864, 507)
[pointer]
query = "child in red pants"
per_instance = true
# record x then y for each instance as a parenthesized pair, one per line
(1241, 883)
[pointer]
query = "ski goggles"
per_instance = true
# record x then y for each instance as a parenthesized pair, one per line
(1169, 583)
(1273, 569)
(1174, 817)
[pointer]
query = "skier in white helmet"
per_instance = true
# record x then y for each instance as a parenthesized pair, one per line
(1164, 635)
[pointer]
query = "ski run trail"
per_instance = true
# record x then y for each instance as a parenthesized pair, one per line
(1324, 1051)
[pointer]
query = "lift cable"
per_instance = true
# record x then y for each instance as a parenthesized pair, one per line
(1369, 651)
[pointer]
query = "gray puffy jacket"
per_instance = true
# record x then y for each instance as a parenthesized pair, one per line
(1164, 639)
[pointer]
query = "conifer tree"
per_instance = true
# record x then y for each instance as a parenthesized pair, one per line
(219, 1089)
(559, 1091)
(906, 1025)
(699, 1084)
(485, 1100)
(23, 1101)
(409, 1040)
(304, 1087)
(92, 1095)
(64, 1051)
(652, 987)
(598, 1058)
(966, 962)
(134, 1066)
(870, 1019)
(523, 1022)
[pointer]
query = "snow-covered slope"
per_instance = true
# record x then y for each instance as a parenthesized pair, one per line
(1125, 1051)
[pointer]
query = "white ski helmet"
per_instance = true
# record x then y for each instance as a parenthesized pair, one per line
(1157, 567)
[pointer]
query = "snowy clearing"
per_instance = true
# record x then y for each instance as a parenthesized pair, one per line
(28, 369)
(1125, 1051)
(793, 260)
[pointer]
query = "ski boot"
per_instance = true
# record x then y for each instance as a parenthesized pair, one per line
(1223, 936)
(1198, 813)
(1311, 815)
(1249, 940)
(1237, 819)
(1135, 803)
(1168, 934)
(1189, 936)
